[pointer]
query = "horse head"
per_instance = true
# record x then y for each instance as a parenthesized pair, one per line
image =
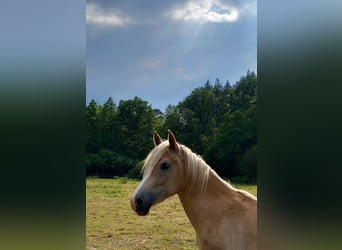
(163, 174)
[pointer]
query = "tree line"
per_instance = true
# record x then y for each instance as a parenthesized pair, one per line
(217, 121)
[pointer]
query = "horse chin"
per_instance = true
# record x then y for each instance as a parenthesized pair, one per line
(143, 211)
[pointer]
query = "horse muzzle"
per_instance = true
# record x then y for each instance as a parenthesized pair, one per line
(140, 205)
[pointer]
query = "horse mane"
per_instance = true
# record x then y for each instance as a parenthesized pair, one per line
(196, 169)
(196, 172)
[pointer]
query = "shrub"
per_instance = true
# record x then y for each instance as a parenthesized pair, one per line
(108, 164)
(135, 173)
(93, 161)
(248, 164)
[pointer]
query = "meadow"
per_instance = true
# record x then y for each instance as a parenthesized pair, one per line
(112, 224)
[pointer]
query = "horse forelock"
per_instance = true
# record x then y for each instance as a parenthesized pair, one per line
(154, 156)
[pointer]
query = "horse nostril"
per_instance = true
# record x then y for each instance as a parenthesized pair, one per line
(139, 201)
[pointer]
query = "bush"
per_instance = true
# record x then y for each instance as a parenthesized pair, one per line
(135, 173)
(108, 164)
(248, 164)
(93, 161)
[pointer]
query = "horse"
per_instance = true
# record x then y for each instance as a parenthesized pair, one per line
(223, 217)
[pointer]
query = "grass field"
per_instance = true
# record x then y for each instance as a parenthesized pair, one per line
(112, 224)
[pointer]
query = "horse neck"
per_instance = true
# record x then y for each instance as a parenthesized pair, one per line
(203, 206)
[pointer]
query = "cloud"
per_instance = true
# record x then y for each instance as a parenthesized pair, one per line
(249, 8)
(180, 72)
(152, 63)
(111, 17)
(205, 11)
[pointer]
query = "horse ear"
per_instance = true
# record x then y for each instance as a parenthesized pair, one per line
(157, 139)
(172, 140)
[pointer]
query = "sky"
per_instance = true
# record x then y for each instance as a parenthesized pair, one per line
(162, 50)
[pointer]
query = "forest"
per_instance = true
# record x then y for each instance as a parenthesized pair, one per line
(216, 121)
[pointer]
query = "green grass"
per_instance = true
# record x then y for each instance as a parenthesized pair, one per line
(112, 224)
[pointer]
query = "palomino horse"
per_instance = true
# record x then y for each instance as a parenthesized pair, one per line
(223, 217)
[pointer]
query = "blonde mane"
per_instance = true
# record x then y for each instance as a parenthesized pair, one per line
(196, 169)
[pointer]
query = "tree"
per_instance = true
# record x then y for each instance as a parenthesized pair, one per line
(226, 145)
(173, 121)
(92, 127)
(137, 121)
(198, 118)
(236, 133)
(248, 164)
(216, 121)
(243, 91)
(109, 126)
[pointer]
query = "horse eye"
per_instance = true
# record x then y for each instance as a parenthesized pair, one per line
(165, 165)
